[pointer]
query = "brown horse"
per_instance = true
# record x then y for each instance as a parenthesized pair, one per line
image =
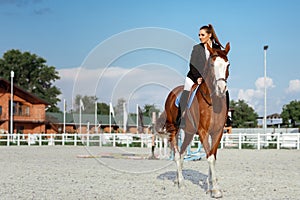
(206, 116)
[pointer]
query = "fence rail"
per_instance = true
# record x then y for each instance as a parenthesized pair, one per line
(258, 140)
(234, 140)
(105, 139)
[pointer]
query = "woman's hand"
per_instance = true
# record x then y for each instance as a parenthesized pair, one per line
(199, 80)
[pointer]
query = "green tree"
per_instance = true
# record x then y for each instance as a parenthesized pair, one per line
(88, 103)
(243, 115)
(102, 108)
(32, 74)
(149, 109)
(291, 112)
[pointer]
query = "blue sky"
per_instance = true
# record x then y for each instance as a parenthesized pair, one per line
(66, 33)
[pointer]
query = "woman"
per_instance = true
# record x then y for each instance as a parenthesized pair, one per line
(199, 56)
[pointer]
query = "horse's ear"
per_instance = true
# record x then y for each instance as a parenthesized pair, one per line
(227, 48)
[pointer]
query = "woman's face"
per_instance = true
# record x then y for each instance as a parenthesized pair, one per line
(204, 36)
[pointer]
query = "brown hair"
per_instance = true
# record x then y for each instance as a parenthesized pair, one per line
(210, 30)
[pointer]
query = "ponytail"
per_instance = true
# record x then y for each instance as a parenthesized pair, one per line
(214, 37)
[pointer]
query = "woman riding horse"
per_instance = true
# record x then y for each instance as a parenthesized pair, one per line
(208, 111)
(199, 57)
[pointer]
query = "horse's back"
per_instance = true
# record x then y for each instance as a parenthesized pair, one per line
(172, 96)
(168, 116)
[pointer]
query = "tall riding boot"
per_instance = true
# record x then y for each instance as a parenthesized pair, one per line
(227, 99)
(180, 120)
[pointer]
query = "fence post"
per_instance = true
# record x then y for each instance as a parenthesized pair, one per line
(165, 146)
(298, 141)
(258, 141)
(100, 140)
(63, 139)
(40, 139)
(28, 139)
(278, 143)
(222, 141)
(88, 139)
(7, 138)
(75, 139)
(160, 146)
(240, 140)
(50, 139)
(114, 140)
(127, 141)
(18, 139)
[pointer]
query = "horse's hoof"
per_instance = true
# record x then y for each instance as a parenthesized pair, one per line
(152, 158)
(176, 182)
(180, 185)
(216, 194)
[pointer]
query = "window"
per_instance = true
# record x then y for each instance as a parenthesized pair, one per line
(27, 111)
(15, 108)
(19, 109)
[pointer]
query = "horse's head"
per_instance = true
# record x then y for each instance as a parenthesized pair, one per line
(220, 64)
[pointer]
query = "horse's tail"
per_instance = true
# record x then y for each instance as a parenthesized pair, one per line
(160, 125)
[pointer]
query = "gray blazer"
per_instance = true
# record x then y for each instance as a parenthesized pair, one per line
(198, 61)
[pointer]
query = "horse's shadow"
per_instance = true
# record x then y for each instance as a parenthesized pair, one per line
(193, 176)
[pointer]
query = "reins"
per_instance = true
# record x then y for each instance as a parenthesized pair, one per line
(205, 96)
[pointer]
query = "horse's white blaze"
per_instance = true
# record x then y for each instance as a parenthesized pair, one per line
(220, 67)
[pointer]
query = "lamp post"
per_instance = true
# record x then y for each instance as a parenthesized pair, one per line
(11, 102)
(265, 84)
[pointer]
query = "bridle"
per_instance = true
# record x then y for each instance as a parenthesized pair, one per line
(212, 65)
(215, 81)
(222, 79)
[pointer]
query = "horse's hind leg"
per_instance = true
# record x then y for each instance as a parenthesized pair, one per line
(177, 158)
(213, 186)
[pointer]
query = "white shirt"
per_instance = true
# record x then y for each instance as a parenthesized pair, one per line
(206, 52)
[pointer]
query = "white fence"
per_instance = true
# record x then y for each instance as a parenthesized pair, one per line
(105, 139)
(258, 140)
(234, 140)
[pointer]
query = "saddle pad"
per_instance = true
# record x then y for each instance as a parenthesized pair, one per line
(192, 96)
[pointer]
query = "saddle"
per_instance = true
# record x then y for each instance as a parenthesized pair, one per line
(191, 97)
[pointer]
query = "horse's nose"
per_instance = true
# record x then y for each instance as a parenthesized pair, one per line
(222, 87)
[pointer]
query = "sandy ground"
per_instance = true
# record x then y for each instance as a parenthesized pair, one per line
(57, 173)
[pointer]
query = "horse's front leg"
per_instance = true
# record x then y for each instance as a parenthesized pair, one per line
(213, 186)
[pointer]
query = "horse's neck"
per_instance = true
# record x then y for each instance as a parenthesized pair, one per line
(204, 93)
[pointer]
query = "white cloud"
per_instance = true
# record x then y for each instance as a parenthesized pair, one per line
(294, 86)
(258, 93)
(254, 97)
(250, 94)
(149, 83)
(260, 83)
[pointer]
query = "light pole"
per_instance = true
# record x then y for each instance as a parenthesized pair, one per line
(265, 84)
(11, 102)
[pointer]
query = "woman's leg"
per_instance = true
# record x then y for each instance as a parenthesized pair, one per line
(180, 120)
